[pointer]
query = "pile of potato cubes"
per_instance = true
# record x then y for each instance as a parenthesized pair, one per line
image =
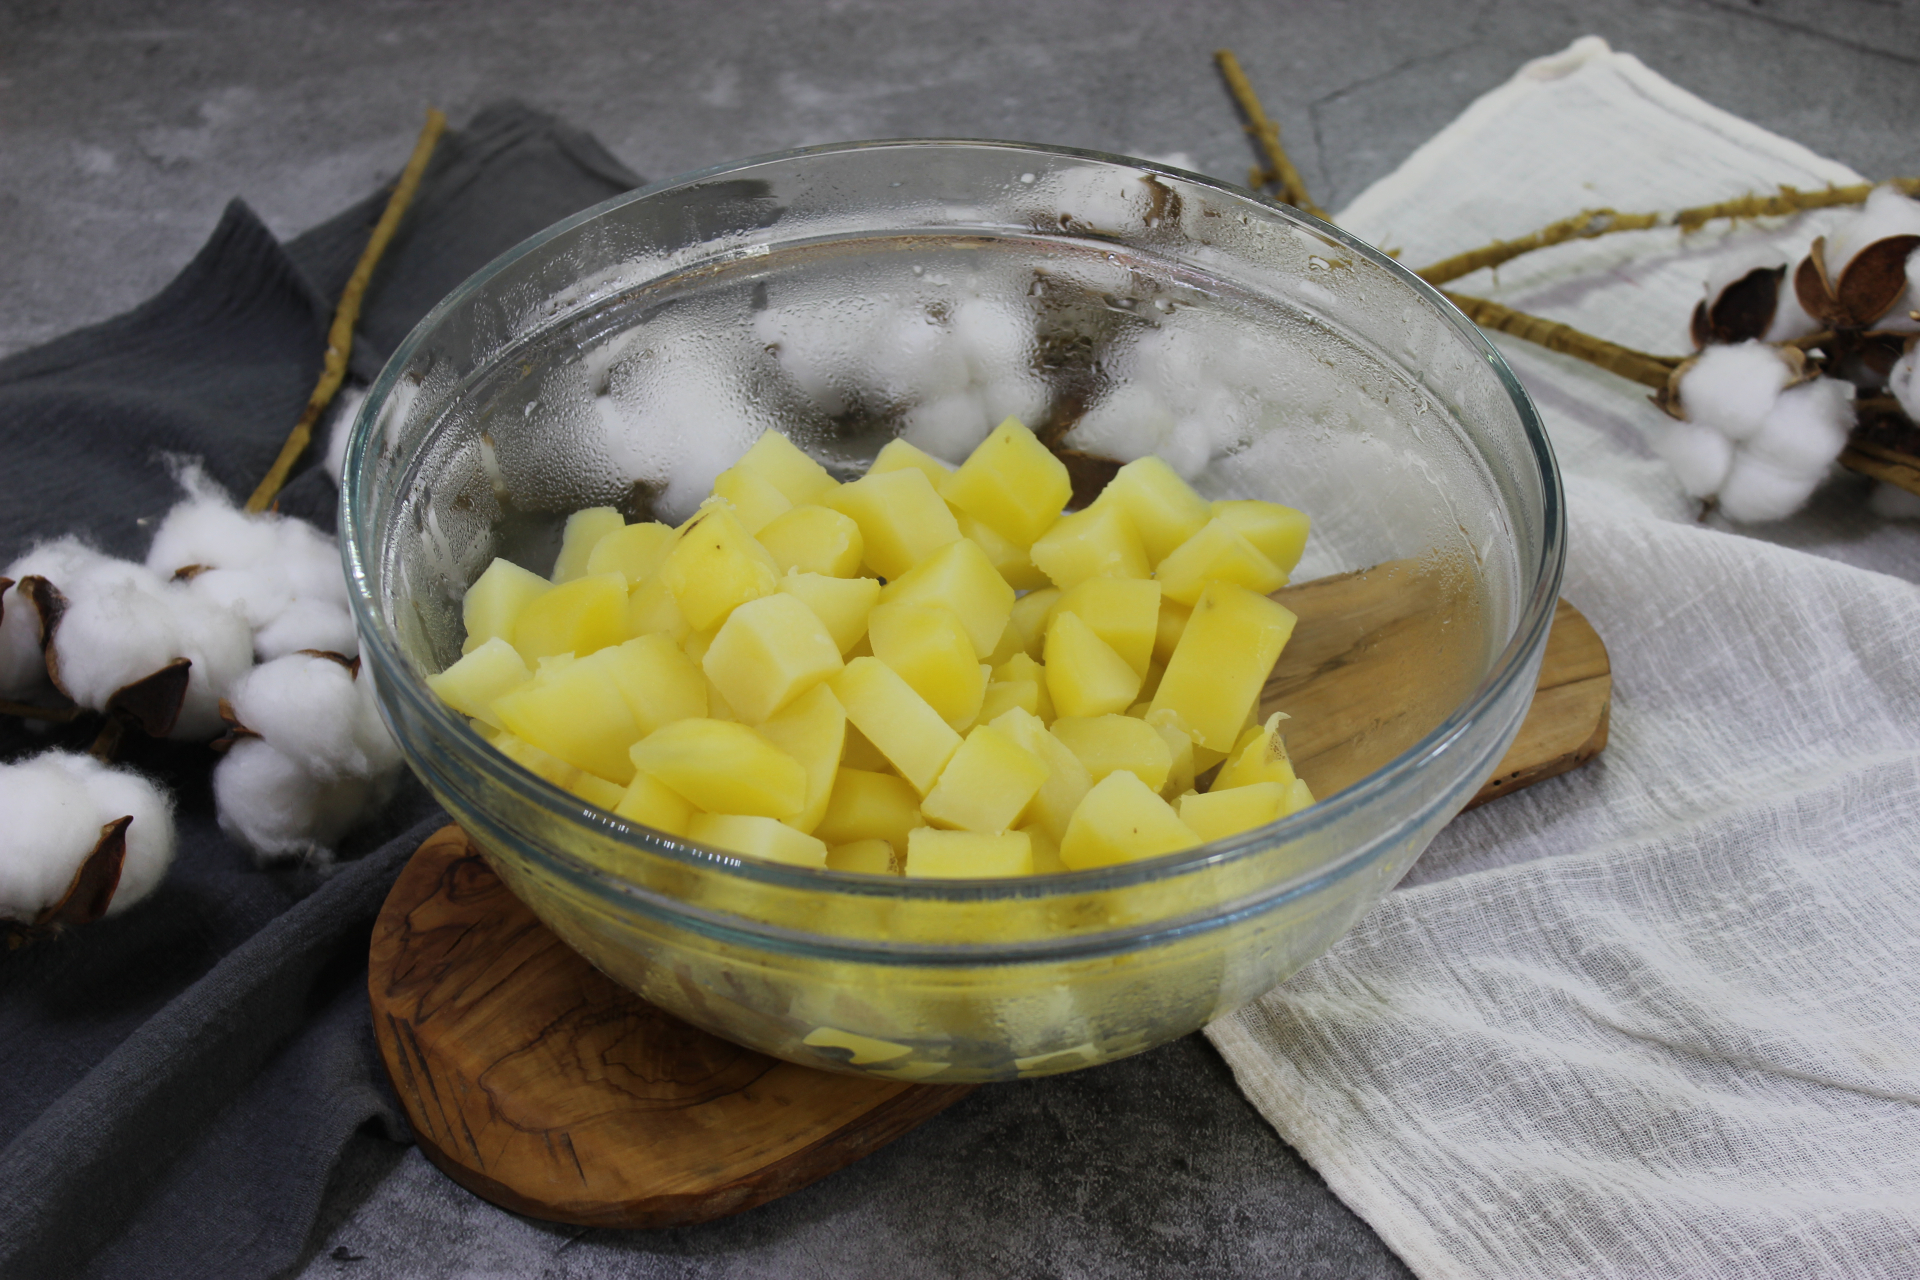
(928, 671)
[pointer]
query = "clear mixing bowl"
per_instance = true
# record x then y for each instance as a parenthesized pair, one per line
(845, 295)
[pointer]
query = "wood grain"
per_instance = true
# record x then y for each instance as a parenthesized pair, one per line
(540, 1085)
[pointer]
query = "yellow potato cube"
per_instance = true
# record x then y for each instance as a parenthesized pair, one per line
(1125, 612)
(470, 685)
(1167, 629)
(577, 713)
(652, 803)
(812, 730)
(1180, 772)
(928, 647)
(1219, 814)
(1106, 744)
(660, 683)
(1259, 756)
(653, 610)
(859, 753)
(1012, 483)
(723, 767)
(1004, 695)
(1096, 543)
(842, 604)
(986, 785)
(1067, 783)
(899, 722)
(634, 550)
(869, 857)
(866, 805)
(1223, 659)
(752, 498)
(767, 653)
(1122, 820)
(1085, 677)
(1163, 509)
(582, 534)
(1010, 560)
(968, 855)
(786, 466)
(1009, 643)
(1046, 851)
(715, 565)
(1021, 669)
(814, 539)
(1299, 796)
(495, 600)
(898, 455)
(594, 790)
(757, 836)
(1279, 533)
(1030, 615)
(696, 643)
(960, 578)
(577, 617)
(901, 518)
(1216, 554)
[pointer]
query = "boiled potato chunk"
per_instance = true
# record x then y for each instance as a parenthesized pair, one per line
(1122, 820)
(594, 790)
(715, 566)
(1011, 483)
(496, 598)
(1218, 553)
(842, 604)
(866, 805)
(1067, 783)
(896, 720)
(813, 730)
(1085, 677)
(960, 578)
(1259, 756)
(582, 534)
(1125, 612)
(1224, 657)
(577, 617)
(1004, 695)
(1219, 814)
(757, 837)
(1046, 851)
(968, 855)
(1011, 561)
(1099, 542)
(1279, 532)
(1162, 508)
(1106, 744)
(634, 550)
(986, 785)
(652, 803)
(470, 685)
(753, 499)
(660, 683)
(1030, 615)
(767, 653)
(784, 465)
(870, 857)
(898, 455)
(724, 768)
(653, 610)
(576, 711)
(1180, 748)
(814, 539)
(901, 518)
(929, 648)
(1021, 670)
(1168, 628)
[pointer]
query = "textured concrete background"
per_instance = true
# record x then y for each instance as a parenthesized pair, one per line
(125, 127)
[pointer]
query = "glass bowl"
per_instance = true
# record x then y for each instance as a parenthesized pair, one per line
(849, 294)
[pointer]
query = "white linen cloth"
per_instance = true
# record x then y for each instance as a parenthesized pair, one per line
(1659, 1016)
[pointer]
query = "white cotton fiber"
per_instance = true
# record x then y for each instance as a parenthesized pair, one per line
(257, 595)
(1731, 388)
(370, 732)
(1128, 422)
(118, 628)
(309, 560)
(308, 708)
(278, 809)
(1807, 427)
(1756, 489)
(206, 528)
(1700, 456)
(1086, 198)
(122, 793)
(1886, 213)
(217, 642)
(23, 669)
(307, 624)
(1903, 380)
(345, 408)
(55, 806)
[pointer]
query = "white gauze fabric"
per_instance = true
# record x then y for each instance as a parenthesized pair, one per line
(1653, 1017)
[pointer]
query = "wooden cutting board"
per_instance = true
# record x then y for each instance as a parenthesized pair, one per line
(540, 1085)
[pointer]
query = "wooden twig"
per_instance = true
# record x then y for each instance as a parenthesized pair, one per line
(30, 711)
(1280, 170)
(1637, 366)
(347, 315)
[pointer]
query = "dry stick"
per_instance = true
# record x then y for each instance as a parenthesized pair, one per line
(30, 711)
(1637, 366)
(1293, 190)
(347, 315)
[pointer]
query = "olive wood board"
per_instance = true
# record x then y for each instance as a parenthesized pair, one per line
(537, 1083)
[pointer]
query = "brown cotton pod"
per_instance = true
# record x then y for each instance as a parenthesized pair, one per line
(152, 703)
(88, 894)
(49, 604)
(351, 664)
(1744, 309)
(1865, 291)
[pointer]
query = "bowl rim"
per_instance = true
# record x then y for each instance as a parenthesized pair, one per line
(1509, 664)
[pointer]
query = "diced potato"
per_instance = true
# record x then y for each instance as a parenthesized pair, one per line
(660, 683)
(1012, 483)
(959, 577)
(718, 708)
(814, 539)
(841, 603)
(1125, 612)
(1085, 677)
(635, 550)
(899, 455)
(1046, 851)
(1067, 781)
(754, 500)
(870, 857)
(1280, 533)
(696, 643)
(929, 648)
(582, 534)
(1030, 615)
(1180, 748)
(1299, 796)
(968, 855)
(653, 610)
(1021, 669)
(652, 803)
(1223, 659)
(724, 768)
(1216, 554)
(1168, 628)
(470, 685)
(1122, 820)
(901, 518)
(578, 617)
(986, 785)
(1004, 695)
(1096, 543)
(577, 713)
(870, 806)
(1106, 744)
(1009, 643)
(906, 729)
(786, 466)
(767, 653)
(594, 790)
(496, 598)
(859, 753)
(812, 730)
(1010, 560)
(1259, 756)
(715, 566)
(757, 836)
(1163, 509)
(1219, 814)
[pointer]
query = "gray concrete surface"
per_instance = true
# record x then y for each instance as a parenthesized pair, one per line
(125, 127)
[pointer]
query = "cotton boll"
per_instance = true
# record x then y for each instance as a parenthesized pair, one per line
(308, 708)
(23, 667)
(117, 629)
(1903, 380)
(278, 809)
(62, 560)
(308, 624)
(1891, 502)
(1790, 319)
(911, 358)
(346, 408)
(1731, 388)
(56, 805)
(813, 354)
(257, 595)
(948, 427)
(1807, 427)
(370, 732)
(309, 561)
(122, 793)
(1886, 213)
(1128, 422)
(207, 529)
(1699, 456)
(1084, 197)
(1757, 489)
